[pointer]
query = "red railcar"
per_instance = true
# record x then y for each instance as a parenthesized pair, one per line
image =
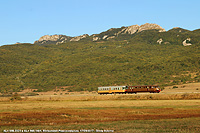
(144, 88)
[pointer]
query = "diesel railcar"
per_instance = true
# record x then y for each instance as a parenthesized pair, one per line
(128, 89)
(112, 89)
(143, 88)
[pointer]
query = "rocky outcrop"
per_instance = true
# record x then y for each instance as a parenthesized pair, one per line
(131, 29)
(104, 37)
(148, 26)
(77, 38)
(136, 28)
(52, 39)
(159, 41)
(110, 37)
(115, 32)
(58, 39)
(95, 38)
(185, 42)
(109, 34)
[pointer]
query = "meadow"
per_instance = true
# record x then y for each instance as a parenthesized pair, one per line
(106, 113)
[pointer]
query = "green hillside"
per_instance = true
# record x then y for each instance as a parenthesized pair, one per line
(84, 65)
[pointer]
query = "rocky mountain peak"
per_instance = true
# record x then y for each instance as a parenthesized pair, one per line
(131, 29)
(136, 28)
(109, 34)
(48, 39)
(58, 39)
(149, 26)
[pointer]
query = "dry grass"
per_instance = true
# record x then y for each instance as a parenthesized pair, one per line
(98, 114)
(51, 105)
(93, 115)
(96, 97)
(184, 88)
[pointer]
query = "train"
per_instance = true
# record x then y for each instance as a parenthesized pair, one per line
(128, 89)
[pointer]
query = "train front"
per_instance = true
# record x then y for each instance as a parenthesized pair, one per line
(157, 89)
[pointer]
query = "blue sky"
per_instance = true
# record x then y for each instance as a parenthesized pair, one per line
(28, 20)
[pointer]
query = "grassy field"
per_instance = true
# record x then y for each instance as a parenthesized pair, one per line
(117, 115)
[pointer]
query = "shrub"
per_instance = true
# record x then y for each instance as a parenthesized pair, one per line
(16, 96)
(175, 87)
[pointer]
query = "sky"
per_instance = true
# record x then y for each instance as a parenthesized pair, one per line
(25, 21)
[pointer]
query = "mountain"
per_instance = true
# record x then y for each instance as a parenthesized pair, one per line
(133, 55)
(109, 34)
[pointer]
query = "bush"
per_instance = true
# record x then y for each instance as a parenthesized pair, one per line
(16, 96)
(175, 87)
